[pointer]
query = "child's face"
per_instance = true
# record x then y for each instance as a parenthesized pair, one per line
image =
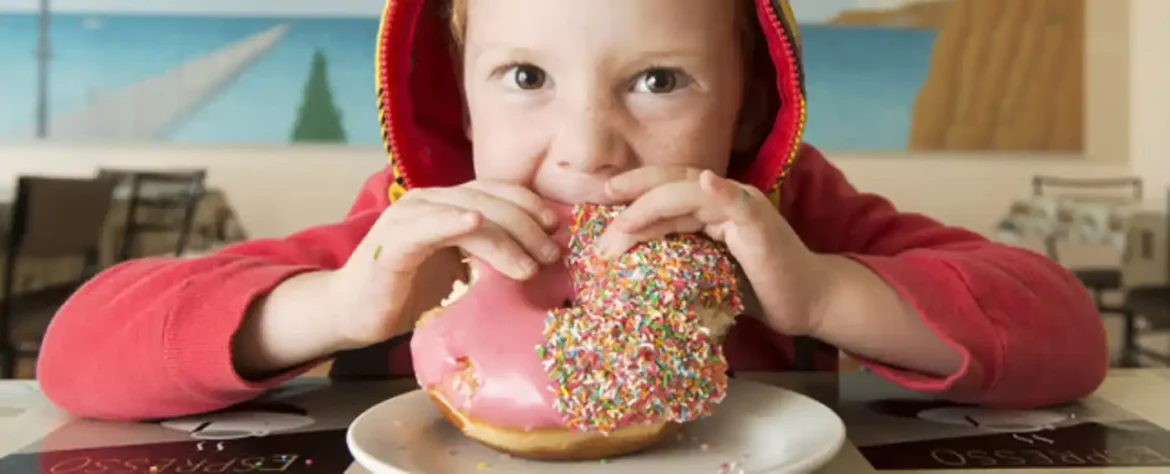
(563, 94)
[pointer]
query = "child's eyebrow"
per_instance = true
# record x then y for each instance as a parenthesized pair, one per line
(503, 50)
(684, 53)
(499, 46)
(673, 54)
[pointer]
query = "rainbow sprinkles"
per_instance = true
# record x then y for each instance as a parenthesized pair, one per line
(632, 348)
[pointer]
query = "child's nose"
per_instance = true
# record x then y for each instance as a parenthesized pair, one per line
(591, 142)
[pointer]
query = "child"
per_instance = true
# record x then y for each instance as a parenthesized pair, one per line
(690, 110)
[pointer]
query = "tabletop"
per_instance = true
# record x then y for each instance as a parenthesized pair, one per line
(300, 427)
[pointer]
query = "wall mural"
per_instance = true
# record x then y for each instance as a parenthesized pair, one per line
(933, 75)
(883, 75)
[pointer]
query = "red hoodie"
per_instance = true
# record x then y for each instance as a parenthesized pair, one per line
(151, 338)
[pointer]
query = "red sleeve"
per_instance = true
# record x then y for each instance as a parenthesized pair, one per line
(151, 338)
(1028, 331)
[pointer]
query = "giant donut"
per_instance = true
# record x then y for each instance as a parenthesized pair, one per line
(590, 359)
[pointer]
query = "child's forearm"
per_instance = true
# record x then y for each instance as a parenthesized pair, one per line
(863, 315)
(292, 325)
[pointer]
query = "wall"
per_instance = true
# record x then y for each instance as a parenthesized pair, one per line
(1005, 75)
(1147, 120)
(278, 190)
(1107, 64)
(1149, 96)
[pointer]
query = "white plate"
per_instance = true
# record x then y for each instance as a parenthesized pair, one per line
(757, 429)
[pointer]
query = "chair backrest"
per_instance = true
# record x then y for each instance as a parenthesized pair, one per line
(1126, 188)
(158, 201)
(58, 216)
(169, 189)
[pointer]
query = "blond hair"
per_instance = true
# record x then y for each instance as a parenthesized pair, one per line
(458, 22)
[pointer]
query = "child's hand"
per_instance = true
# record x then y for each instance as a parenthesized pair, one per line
(784, 274)
(407, 261)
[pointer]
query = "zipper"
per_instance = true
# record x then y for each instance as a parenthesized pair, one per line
(787, 38)
(385, 63)
(804, 349)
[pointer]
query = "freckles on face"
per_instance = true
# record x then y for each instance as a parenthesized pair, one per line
(563, 94)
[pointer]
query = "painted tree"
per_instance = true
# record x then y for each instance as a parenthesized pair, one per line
(318, 119)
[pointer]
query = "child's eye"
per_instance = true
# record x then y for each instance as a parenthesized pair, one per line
(660, 81)
(525, 77)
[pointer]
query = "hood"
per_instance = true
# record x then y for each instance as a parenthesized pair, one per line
(419, 101)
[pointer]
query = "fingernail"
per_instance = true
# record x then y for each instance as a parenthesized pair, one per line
(550, 252)
(611, 188)
(528, 267)
(603, 248)
(549, 218)
(601, 252)
(621, 223)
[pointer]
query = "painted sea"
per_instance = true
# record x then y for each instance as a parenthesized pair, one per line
(861, 81)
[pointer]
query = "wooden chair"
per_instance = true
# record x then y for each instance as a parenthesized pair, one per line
(51, 218)
(158, 202)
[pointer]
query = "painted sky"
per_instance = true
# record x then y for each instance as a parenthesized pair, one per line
(807, 11)
(820, 11)
(209, 7)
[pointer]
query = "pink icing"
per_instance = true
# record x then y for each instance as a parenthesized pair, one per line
(496, 325)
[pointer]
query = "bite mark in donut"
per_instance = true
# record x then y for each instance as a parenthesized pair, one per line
(465, 381)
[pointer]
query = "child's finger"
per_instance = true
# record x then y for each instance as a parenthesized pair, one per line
(634, 183)
(498, 249)
(521, 197)
(520, 224)
(419, 229)
(734, 199)
(664, 202)
(613, 244)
